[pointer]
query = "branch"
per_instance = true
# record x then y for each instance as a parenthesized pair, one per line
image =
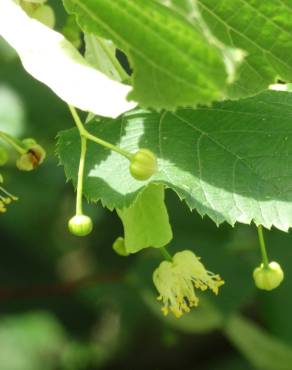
(45, 290)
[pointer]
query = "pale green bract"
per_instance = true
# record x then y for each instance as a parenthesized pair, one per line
(146, 222)
(51, 59)
(232, 161)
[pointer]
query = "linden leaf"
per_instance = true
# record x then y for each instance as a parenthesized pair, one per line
(51, 59)
(174, 63)
(146, 222)
(232, 161)
(263, 29)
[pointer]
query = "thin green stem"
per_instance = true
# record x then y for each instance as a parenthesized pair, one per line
(8, 194)
(108, 145)
(79, 210)
(15, 143)
(165, 254)
(89, 136)
(77, 120)
(263, 247)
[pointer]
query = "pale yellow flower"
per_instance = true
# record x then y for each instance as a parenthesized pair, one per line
(178, 280)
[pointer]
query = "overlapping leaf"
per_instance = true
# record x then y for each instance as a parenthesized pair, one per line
(175, 64)
(263, 29)
(232, 161)
(100, 53)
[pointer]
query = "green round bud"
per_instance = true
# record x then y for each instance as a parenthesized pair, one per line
(80, 225)
(3, 156)
(45, 14)
(143, 164)
(119, 247)
(268, 278)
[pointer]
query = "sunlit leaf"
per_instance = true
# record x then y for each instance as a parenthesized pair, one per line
(231, 161)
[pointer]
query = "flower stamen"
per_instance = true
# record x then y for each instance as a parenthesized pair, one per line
(178, 280)
(5, 198)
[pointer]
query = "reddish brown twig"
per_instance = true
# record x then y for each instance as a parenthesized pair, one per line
(45, 290)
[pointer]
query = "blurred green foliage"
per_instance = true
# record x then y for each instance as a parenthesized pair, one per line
(112, 320)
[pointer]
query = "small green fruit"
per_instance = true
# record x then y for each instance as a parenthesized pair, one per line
(143, 164)
(119, 247)
(80, 225)
(268, 278)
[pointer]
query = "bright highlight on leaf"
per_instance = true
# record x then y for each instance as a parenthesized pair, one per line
(178, 280)
(51, 59)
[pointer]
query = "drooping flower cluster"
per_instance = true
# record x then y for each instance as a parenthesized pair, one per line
(5, 197)
(178, 280)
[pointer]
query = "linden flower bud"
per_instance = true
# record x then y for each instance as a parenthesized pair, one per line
(119, 247)
(268, 278)
(143, 164)
(178, 280)
(34, 156)
(80, 225)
